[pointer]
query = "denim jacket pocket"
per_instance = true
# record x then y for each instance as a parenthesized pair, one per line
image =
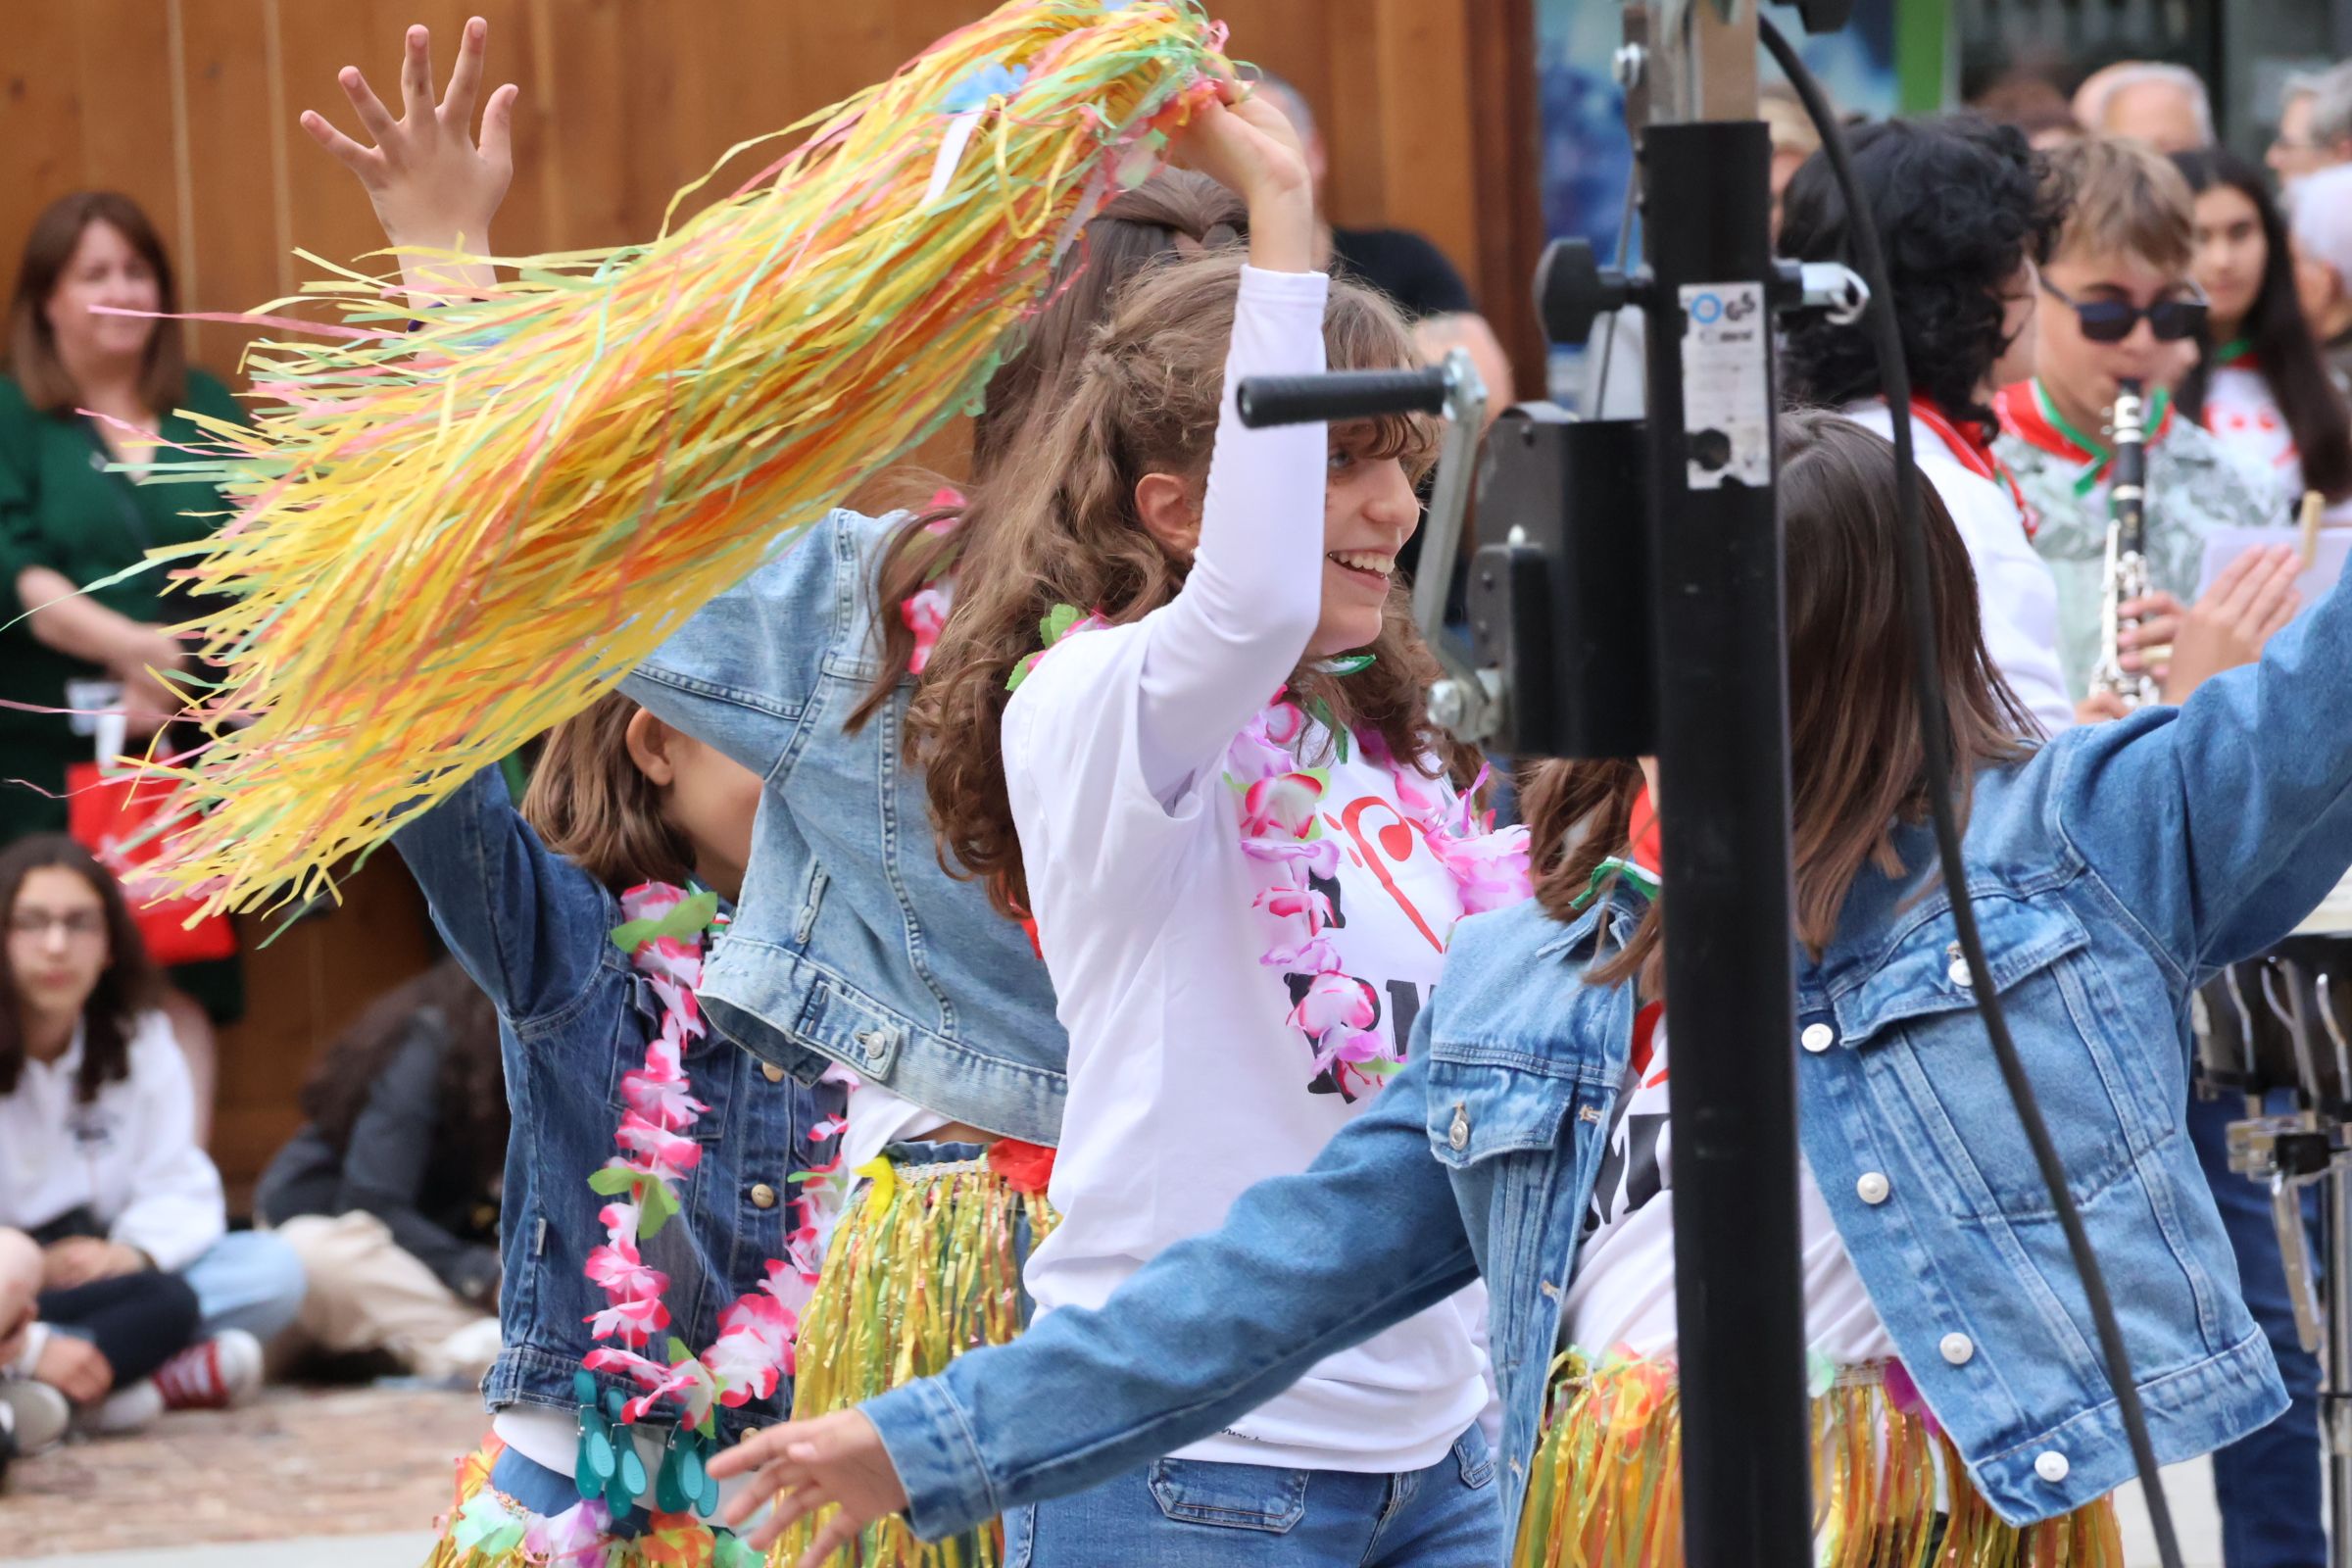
(1230, 1497)
(1479, 1110)
(1929, 1078)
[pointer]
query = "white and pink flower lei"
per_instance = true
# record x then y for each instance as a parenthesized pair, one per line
(1282, 834)
(664, 937)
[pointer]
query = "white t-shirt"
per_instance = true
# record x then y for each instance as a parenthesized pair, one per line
(1187, 1082)
(2241, 412)
(129, 1156)
(2017, 598)
(1623, 1291)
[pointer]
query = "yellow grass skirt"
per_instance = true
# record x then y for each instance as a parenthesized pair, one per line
(1889, 1490)
(925, 1265)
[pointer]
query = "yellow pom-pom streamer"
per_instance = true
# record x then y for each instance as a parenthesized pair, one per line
(449, 538)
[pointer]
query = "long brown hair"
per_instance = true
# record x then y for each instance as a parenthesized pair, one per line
(1143, 400)
(1175, 212)
(129, 986)
(1856, 766)
(590, 803)
(48, 251)
(469, 1131)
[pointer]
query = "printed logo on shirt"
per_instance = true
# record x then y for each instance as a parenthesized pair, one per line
(92, 1127)
(1392, 905)
(1635, 1167)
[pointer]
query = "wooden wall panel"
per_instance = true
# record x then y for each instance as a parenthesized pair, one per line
(189, 105)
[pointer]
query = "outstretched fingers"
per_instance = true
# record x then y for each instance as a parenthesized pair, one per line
(417, 74)
(374, 116)
(465, 76)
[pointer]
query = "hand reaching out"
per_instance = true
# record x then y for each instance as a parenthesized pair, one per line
(432, 185)
(804, 1465)
(2252, 599)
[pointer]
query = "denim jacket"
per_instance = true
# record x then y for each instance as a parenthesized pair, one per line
(2112, 873)
(852, 944)
(535, 932)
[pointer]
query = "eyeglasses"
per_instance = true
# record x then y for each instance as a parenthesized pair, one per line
(2113, 321)
(80, 924)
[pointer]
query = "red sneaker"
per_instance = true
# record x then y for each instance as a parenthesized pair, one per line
(215, 1374)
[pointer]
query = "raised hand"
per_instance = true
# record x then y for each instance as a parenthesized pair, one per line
(433, 186)
(803, 1465)
(2249, 601)
(1249, 146)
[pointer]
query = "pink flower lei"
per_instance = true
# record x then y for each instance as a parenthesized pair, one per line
(1282, 834)
(664, 937)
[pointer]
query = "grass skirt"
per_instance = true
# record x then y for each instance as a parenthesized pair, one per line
(1889, 1490)
(925, 1265)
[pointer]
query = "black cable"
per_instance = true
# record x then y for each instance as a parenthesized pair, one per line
(1935, 739)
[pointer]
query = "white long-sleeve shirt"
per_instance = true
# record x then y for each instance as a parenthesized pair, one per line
(1187, 1082)
(2017, 598)
(129, 1156)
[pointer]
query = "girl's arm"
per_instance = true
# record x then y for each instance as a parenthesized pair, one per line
(527, 924)
(743, 673)
(2219, 824)
(176, 1209)
(433, 188)
(1306, 1266)
(1255, 590)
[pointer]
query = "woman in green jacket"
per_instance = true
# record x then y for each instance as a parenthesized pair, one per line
(84, 390)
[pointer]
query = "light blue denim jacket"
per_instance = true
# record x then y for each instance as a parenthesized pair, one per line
(534, 931)
(2112, 873)
(852, 944)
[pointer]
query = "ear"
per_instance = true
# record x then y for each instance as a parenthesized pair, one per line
(650, 743)
(1170, 513)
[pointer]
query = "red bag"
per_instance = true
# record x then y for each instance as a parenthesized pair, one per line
(106, 813)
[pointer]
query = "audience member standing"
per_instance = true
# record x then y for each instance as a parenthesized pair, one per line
(2153, 101)
(2315, 125)
(66, 521)
(2323, 243)
(390, 1192)
(98, 1158)
(2260, 386)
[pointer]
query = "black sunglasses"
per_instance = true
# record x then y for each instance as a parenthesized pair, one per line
(2113, 321)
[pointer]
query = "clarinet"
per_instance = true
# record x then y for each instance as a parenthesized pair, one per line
(2127, 574)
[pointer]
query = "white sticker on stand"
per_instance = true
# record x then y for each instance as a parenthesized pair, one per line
(1726, 394)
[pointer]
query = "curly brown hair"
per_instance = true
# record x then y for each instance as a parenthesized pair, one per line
(1065, 531)
(1174, 213)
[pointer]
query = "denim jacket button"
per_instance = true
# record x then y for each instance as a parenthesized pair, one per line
(763, 1196)
(771, 1072)
(1818, 1038)
(1958, 974)
(1958, 1348)
(1873, 1187)
(1459, 1134)
(2051, 1466)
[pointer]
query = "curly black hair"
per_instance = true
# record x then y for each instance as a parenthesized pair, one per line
(1960, 205)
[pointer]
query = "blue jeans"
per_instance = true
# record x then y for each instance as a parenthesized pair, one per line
(2268, 1484)
(248, 1280)
(1191, 1513)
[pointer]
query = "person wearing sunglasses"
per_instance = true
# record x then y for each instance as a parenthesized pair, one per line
(2119, 303)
